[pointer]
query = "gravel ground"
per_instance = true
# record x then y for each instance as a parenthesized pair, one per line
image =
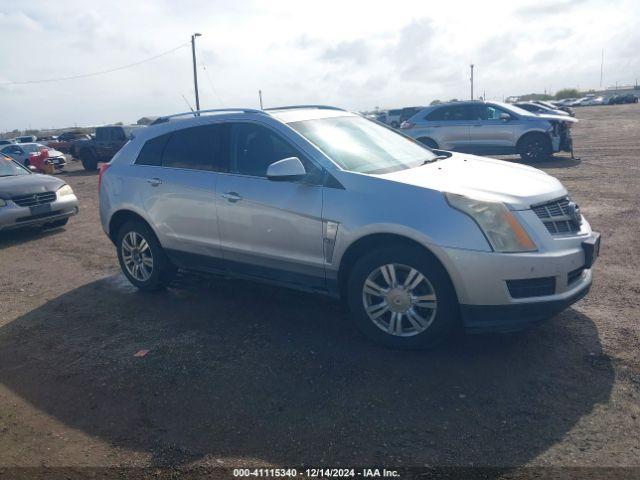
(240, 374)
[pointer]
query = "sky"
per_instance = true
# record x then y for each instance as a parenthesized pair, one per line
(350, 53)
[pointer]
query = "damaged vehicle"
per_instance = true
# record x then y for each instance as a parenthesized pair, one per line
(491, 128)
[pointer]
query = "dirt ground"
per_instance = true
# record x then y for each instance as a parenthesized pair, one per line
(240, 374)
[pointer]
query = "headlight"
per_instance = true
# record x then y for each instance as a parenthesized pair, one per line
(65, 190)
(3, 203)
(500, 226)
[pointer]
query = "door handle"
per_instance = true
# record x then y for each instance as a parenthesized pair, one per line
(154, 182)
(232, 196)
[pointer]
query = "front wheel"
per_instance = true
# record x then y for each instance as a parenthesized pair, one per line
(535, 148)
(402, 298)
(142, 258)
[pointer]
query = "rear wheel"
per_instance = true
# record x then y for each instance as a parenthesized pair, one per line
(402, 298)
(535, 148)
(89, 160)
(142, 258)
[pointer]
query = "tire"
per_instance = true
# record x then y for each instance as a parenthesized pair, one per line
(136, 237)
(57, 223)
(27, 163)
(402, 309)
(428, 142)
(89, 160)
(534, 147)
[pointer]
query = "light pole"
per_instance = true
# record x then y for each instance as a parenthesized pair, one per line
(471, 79)
(195, 71)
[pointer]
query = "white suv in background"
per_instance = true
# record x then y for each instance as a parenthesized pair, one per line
(324, 200)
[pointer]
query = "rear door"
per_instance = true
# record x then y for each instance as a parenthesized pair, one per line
(179, 174)
(270, 229)
(449, 126)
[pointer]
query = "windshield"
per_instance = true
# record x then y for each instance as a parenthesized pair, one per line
(9, 168)
(360, 145)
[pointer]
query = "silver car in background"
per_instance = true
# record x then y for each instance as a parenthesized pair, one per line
(490, 128)
(327, 201)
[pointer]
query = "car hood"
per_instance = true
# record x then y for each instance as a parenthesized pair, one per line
(25, 184)
(55, 153)
(560, 118)
(517, 186)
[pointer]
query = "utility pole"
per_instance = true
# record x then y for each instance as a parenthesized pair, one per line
(260, 97)
(471, 79)
(601, 68)
(195, 71)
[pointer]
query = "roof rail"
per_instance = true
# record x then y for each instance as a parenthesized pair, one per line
(292, 107)
(196, 113)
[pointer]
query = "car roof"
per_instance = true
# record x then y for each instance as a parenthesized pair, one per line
(286, 114)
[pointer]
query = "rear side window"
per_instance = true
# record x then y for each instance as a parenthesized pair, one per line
(103, 134)
(151, 153)
(451, 114)
(198, 148)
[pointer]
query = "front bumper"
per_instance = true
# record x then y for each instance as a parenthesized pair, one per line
(14, 216)
(481, 280)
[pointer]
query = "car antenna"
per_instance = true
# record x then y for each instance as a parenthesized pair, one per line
(188, 104)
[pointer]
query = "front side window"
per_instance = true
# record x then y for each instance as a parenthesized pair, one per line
(256, 147)
(360, 145)
(198, 148)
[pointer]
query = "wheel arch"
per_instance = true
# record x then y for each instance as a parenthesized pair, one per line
(374, 240)
(530, 134)
(119, 218)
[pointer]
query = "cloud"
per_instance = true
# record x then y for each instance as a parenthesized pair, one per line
(555, 7)
(357, 52)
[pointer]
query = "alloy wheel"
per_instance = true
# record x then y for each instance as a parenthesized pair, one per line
(137, 256)
(399, 300)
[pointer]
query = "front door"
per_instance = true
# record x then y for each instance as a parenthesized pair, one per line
(270, 229)
(491, 134)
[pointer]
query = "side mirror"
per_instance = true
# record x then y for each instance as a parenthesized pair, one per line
(286, 169)
(505, 116)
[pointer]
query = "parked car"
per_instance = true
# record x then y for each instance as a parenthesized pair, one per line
(64, 141)
(30, 199)
(622, 98)
(26, 139)
(108, 140)
(537, 108)
(564, 102)
(555, 106)
(5, 142)
(325, 200)
(393, 117)
(23, 153)
(490, 128)
(593, 101)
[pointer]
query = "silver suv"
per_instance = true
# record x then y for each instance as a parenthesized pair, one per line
(324, 200)
(491, 128)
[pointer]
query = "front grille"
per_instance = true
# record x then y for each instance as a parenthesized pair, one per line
(557, 218)
(532, 287)
(574, 275)
(34, 199)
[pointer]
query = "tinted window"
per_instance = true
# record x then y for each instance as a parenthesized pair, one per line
(489, 112)
(257, 147)
(455, 113)
(103, 134)
(118, 134)
(198, 148)
(151, 153)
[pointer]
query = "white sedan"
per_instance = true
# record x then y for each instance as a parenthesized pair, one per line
(21, 153)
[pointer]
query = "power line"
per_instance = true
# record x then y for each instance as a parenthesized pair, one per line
(93, 74)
